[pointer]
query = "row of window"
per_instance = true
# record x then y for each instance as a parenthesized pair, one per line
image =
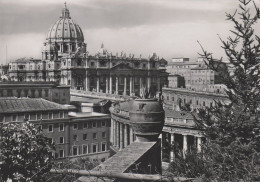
(103, 64)
(85, 149)
(75, 137)
(190, 102)
(31, 93)
(37, 116)
(75, 126)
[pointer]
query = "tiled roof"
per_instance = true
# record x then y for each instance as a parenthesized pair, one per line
(11, 105)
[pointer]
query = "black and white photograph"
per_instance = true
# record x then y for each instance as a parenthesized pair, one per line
(129, 90)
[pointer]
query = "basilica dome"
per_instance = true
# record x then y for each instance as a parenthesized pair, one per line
(65, 29)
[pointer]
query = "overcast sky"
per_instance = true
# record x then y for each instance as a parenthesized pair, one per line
(170, 28)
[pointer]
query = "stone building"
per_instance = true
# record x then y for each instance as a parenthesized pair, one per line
(176, 97)
(75, 134)
(65, 60)
(47, 90)
(194, 72)
(27, 69)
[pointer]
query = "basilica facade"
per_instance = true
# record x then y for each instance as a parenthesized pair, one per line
(65, 60)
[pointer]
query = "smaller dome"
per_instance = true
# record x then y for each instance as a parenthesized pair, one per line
(49, 48)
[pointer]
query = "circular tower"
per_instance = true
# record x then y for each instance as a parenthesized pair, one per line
(147, 119)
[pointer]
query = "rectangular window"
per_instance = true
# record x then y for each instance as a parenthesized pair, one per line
(14, 118)
(38, 116)
(27, 117)
(50, 115)
(61, 153)
(104, 147)
(51, 140)
(85, 125)
(75, 126)
(94, 124)
(85, 136)
(84, 149)
(103, 123)
(61, 140)
(75, 150)
(172, 98)
(75, 137)
(61, 127)
(94, 135)
(94, 148)
(61, 114)
(50, 128)
(89, 125)
(103, 134)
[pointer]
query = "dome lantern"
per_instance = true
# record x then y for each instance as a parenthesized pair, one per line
(65, 12)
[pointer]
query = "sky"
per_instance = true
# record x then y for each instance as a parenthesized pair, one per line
(169, 28)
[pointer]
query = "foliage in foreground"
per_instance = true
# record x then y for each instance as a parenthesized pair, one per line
(25, 154)
(231, 151)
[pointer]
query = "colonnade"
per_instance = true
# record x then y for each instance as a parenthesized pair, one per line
(172, 138)
(121, 134)
(129, 83)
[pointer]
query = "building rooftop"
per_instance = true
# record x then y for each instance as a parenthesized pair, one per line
(16, 105)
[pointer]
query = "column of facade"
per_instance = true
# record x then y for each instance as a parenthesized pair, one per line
(141, 85)
(118, 134)
(148, 82)
(116, 85)
(87, 83)
(172, 141)
(199, 143)
(106, 85)
(121, 135)
(125, 135)
(185, 145)
(125, 85)
(158, 83)
(115, 133)
(110, 84)
(112, 132)
(97, 84)
(131, 85)
(131, 135)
